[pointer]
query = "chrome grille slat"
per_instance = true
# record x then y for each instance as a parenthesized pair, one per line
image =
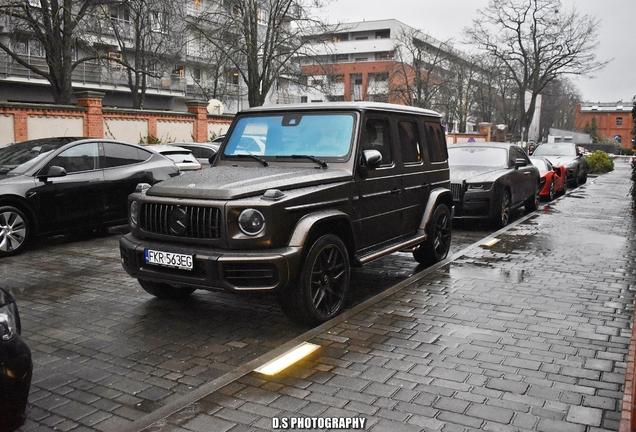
(203, 222)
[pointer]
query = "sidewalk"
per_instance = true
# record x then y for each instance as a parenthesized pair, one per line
(531, 333)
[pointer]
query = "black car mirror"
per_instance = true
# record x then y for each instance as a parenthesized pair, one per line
(53, 171)
(520, 163)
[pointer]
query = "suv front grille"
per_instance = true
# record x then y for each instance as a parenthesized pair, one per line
(181, 221)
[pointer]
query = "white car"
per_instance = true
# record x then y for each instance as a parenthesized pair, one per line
(182, 157)
(203, 152)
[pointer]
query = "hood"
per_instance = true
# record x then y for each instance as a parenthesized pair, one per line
(560, 160)
(475, 173)
(225, 182)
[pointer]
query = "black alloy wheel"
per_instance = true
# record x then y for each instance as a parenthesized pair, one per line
(323, 284)
(503, 216)
(551, 193)
(14, 231)
(438, 241)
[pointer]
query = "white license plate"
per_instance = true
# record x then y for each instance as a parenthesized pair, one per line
(169, 259)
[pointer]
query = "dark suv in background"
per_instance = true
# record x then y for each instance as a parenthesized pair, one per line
(298, 194)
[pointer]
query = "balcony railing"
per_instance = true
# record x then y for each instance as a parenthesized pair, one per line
(89, 73)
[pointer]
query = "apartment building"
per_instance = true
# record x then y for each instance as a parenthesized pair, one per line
(176, 74)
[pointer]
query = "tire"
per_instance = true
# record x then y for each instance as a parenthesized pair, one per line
(575, 180)
(532, 203)
(583, 179)
(438, 240)
(503, 215)
(322, 287)
(552, 192)
(15, 231)
(164, 290)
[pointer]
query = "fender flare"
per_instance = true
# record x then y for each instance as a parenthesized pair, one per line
(306, 223)
(437, 196)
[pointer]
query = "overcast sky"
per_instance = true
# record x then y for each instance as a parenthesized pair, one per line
(445, 19)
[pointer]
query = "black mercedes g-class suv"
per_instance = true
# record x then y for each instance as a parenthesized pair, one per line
(296, 195)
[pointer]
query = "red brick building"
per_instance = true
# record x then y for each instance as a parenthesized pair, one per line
(613, 120)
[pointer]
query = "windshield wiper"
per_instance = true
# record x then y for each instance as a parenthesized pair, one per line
(253, 156)
(321, 162)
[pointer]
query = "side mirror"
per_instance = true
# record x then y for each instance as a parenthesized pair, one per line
(54, 171)
(371, 159)
(520, 162)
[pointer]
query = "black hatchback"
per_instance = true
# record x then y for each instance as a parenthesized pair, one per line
(60, 185)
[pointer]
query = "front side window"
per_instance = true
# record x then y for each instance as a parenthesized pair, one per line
(378, 137)
(82, 157)
(293, 134)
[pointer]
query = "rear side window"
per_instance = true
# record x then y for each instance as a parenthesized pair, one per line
(409, 141)
(437, 142)
(116, 154)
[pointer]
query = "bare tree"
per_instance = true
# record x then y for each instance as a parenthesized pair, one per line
(54, 24)
(461, 83)
(537, 42)
(148, 38)
(419, 68)
(259, 37)
(558, 105)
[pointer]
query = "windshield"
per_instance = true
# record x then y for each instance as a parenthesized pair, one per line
(540, 163)
(327, 135)
(555, 150)
(17, 158)
(477, 156)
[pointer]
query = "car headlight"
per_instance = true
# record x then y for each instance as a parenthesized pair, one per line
(134, 213)
(9, 322)
(479, 186)
(251, 222)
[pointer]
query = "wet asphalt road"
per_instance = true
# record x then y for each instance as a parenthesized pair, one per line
(105, 352)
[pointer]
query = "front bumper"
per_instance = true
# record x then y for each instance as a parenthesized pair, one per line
(244, 270)
(474, 205)
(16, 370)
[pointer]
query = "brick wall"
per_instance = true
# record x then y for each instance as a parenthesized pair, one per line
(23, 121)
(607, 123)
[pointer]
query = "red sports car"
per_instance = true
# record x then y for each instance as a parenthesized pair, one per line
(553, 177)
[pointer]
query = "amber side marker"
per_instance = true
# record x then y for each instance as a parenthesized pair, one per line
(491, 242)
(287, 359)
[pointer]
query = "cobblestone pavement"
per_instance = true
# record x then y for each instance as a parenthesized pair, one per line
(531, 333)
(106, 353)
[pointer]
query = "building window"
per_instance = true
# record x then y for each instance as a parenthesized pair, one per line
(303, 99)
(619, 121)
(114, 60)
(387, 55)
(120, 13)
(361, 59)
(362, 37)
(381, 77)
(383, 34)
(341, 37)
(338, 58)
(196, 74)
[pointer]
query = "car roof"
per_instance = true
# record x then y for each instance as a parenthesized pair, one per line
(344, 106)
(160, 148)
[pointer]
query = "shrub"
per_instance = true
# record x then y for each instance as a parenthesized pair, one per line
(599, 163)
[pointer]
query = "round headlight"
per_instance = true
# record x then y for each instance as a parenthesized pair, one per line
(251, 222)
(134, 212)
